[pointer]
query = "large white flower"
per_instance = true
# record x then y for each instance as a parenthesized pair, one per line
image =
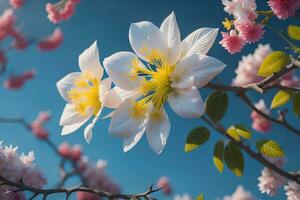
(174, 71)
(85, 93)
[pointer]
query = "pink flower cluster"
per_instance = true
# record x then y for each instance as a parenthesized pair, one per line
(284, 8)
(246, 29)
(15, 82)
(240, 194)
(259, 123)
(70, 152)
(292, 191)
(96, 178)
(16, 4)
(270, 182)
(37, 126)
(17, 167)
(61, 11)
(164, 183)
(246, 72)
(51, 42)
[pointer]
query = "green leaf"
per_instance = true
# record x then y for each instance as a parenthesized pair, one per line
(296, 104)
(236, 131)
(281, 98)
(273, 63)
(200, 197)
(218, 155)
(196, 137)
(216, 105)
(269, 148)
(234, 159)
(294, 32)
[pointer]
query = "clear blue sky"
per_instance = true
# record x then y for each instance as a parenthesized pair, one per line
(108, 22)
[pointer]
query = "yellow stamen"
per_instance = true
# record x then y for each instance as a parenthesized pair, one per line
(85, 94)
(227, 24)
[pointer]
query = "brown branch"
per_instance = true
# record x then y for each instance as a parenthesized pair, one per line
(68, 191)
(257, 156)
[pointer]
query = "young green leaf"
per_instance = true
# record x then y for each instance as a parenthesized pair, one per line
(236, 131)
(200, 197)
(216, 105)
(196, 137)
(294, 32)
(273, 63)
(280, 98)
(234, 159)
(296, 104)
(218, 155)
(269, 148)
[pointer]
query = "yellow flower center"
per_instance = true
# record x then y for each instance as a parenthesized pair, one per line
(156, 83)
(85, 94)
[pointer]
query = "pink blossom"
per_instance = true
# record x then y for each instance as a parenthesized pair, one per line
(164, 183)
(15, 82)
(87, 196)
(284, 8)
(7, 21)
(242, 10)
(73, 153)
(290, 80)
(292, 191)
(259, 123)
(270, 182)
(20, 42)
(64, 150)
(17, 167)
(232, 42)
(240, 194)
(62, 10)
(51, 42)
(37, 125)
(246, 72)
(250, 32)
(16, 4)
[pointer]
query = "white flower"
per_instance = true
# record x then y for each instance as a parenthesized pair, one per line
(174, 71)
(292, 191)
(270, 182)
(240, 194)
(85, 93)
(183, 197)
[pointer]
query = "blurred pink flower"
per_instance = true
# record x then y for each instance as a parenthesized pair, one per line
(7, 21)
(15, 82)
(16, 4)
(242, 10)
(62, 10)
(240, 194)
(232, 42)
(270, 182)
(292, 191)
(284, 8)
(164, 183)
(250, 32)
(17, 167)
(259, 123)
(87, 196)
(73, 153)
(20, 42)
(246, 72)
(37, 125)
(51, 42)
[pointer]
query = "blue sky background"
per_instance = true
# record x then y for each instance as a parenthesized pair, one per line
(108, 22)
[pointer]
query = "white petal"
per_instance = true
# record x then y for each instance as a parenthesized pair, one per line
(197, 70)
(171, 32)
(71, 116)
(105, 85)
(66, 83)
(116, 96)
(130, 142)
(199, 41)
(158, 130)
(118, 67)
(187, 103)
(89, 60)
(68, 129)
(88, 131)
(145, 37)
(123, 124)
